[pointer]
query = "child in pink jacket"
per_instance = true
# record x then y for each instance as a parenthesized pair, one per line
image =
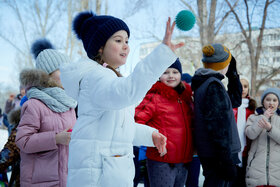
(42, 135)
(46, 117)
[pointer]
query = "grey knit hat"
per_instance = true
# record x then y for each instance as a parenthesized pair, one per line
(47, 58)
(275, 91)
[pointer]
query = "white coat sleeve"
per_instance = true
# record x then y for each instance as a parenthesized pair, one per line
(143, 135)
(113, 93)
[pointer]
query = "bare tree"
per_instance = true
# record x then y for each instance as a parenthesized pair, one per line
(207, 21)
(34, 19)
(254, 51)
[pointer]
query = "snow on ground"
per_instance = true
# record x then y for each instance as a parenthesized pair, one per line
(3, 137)
(3, 140)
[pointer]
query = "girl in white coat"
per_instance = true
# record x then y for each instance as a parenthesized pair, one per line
(101, 146)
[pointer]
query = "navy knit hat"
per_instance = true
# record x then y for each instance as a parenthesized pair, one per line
(275, 91)
(177, 65)
(94, 30)
(216, 56)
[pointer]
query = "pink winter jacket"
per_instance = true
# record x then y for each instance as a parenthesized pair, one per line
(43, 162)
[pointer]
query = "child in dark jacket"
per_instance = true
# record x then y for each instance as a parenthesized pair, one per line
(168, 107)
(215, 130)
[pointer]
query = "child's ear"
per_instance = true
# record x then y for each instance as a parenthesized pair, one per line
(100, 51)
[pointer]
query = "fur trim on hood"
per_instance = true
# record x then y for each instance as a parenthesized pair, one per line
(36, 78)
(170, 93)
(14, 116)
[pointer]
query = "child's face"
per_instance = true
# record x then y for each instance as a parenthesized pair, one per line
(245, 86)
(116, 49)
(171, 77)
(271, 101)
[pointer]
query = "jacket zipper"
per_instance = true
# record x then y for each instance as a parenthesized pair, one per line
(267, 160)
(267, 156)
(252, 158)
(180, 103)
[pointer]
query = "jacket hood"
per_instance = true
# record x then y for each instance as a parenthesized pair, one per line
(202, 74)
(36, 78)
(72, 74)
(171, 93)
(14, 116)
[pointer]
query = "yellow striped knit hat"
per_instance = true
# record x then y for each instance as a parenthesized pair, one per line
(216, 56)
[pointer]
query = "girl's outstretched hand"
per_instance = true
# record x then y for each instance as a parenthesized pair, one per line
(159, 141)
(168, 35)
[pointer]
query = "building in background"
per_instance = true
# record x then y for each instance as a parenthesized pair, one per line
(269, 63)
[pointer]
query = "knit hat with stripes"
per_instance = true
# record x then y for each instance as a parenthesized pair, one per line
(216, 56)
(47, 58)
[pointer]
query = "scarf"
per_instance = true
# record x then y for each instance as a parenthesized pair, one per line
(55, 98)
(241, 123)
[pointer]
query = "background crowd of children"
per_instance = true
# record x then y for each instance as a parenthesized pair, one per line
(174, 121)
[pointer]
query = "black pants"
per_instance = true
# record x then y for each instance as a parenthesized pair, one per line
(241, 174)
(193, 173)
(214, 173)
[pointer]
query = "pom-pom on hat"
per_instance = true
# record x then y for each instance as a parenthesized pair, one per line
(216, 56)
(47, 58)
(94, 30)
(275, 91)
(177, 65)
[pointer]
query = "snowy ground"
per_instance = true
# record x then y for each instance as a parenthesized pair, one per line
(4, 138)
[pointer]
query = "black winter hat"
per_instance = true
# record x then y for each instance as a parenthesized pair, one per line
(94, 30)
(177, 65)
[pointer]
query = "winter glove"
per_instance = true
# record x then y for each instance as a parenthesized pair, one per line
(232, 71)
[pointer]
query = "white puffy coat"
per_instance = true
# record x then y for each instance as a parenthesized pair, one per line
(105, 125)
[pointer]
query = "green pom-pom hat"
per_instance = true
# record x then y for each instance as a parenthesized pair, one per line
(185, 20)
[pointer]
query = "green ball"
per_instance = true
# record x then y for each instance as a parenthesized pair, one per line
(185, 20)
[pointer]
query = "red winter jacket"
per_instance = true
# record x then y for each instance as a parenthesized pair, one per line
(171, 113)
